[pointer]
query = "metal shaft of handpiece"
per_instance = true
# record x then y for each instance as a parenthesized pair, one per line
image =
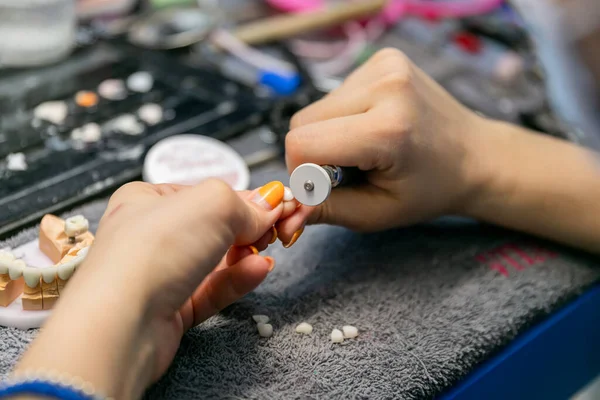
(335, 174)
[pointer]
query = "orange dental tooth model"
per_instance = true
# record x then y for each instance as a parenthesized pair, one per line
(62, 241)
(9, 289)
(65, 243)
(58, 236)
(32, 291)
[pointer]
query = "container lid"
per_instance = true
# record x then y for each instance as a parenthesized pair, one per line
(190, 159)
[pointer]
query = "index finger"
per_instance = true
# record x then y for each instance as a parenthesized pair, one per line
(344, 141)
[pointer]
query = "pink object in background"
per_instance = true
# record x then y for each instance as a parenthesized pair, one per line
(93, 8)
(396, 9)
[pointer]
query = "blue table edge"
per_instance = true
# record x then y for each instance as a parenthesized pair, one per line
(553, 360)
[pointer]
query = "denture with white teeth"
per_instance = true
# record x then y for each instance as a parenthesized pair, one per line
(66, 243)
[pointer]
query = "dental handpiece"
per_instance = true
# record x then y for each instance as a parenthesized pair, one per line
(311, 184)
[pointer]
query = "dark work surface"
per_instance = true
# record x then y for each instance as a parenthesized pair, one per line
(61, 172)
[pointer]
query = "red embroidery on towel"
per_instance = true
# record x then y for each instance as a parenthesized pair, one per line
(513, 257)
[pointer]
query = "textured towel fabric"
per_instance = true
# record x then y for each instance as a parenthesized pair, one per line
(430, 302)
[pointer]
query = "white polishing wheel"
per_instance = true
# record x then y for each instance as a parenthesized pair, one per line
(310, 184)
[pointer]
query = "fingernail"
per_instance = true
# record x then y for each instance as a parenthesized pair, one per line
(270, 195)
(287, 194)
(254, 249)
(271, 261)
(295, 238)
(274, 233)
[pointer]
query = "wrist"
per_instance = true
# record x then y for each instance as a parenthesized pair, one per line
(96, 333)
(487, 168)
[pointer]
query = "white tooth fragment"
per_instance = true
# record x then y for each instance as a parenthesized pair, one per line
(265, 330)
(141, 82)
(304, 328)
(15, 270)
(32, 276)
(350, 332)
(49, 274)
(52, 111)
(112, 89)
(287, 194)
(88, 133)
(151, 113)
(260, 319)
(337, 336)
(6, 260)
(126, 123)
(6, 255)
(16, 162)
(66, 269)
(76, 226)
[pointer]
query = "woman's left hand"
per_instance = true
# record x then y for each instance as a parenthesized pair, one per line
(165, 258)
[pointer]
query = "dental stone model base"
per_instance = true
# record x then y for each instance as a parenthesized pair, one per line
(33, 275)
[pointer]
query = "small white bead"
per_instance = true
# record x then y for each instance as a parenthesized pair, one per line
(265, 330)
(29, 375)
(88, 389)
(53, 375)
(260, 319)
(350, 332)
(304, 328)
(64, 379)
(337, 336)
(77, 383)
(287, 194)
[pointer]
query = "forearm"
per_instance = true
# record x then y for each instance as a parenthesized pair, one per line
(537, 184)
(95, 334)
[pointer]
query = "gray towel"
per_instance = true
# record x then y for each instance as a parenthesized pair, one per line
(430, 302)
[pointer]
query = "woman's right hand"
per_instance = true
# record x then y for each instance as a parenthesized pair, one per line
(414, 141)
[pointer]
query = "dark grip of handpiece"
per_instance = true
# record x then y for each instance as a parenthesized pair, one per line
(352, 176)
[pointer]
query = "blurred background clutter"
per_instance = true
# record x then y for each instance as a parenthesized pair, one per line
(88, 87)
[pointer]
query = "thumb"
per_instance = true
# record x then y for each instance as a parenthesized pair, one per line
(240, 218)
(265, 206)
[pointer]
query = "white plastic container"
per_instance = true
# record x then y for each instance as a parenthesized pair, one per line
(36, 32)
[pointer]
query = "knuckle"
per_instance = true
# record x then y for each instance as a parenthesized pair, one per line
(397, 81)
(390, 59)
(297, 119)
(387, 53)
(399, 118)
(220, 190)
(293, 146)
(130, 187)
(225, 201)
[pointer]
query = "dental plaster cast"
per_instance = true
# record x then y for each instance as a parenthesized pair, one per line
(9, 289)
(33, 275)
(55, 242)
